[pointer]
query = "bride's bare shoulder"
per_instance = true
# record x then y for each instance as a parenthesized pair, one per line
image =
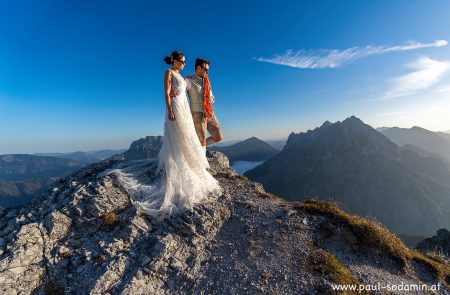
(168, 73)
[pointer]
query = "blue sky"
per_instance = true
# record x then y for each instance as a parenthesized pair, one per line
(83, 75)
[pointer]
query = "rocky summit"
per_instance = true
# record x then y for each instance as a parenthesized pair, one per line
(86, 237)
(351, 163)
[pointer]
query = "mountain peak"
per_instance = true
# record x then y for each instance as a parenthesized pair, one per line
(250, 149)
(417, 128)
(252, 139)
(353, 120)
(351, 133)
(143, 148)
(326, 123)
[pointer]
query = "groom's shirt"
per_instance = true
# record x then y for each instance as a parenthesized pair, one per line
(195, 91)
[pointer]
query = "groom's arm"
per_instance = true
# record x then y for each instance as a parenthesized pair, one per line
(188, 82)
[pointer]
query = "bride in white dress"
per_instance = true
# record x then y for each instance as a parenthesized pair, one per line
(182, 162)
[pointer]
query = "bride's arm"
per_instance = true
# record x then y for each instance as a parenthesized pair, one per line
(167, 88)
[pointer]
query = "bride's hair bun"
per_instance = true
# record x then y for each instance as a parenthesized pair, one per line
(175, 55)
(168, 59)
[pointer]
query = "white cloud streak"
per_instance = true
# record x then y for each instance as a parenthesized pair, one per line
(444, 88)
(432, 116)
(333, 58)
(427, 72)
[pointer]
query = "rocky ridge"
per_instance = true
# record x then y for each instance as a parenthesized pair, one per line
(86, 237)
(351, 163)
(439, 243)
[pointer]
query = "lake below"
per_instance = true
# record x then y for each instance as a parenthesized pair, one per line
(242, 166)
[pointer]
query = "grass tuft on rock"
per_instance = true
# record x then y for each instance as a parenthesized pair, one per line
(331, 268)
(110, 219)
(240, 177)
(374, 235)
(269, 195)
(98, 260)
(265, 276)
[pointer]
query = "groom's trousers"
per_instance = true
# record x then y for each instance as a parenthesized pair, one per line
(210, 124)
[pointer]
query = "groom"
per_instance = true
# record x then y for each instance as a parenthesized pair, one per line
(200, 100)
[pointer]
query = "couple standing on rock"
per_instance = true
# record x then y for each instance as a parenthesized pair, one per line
(200, 97)
(182, 159)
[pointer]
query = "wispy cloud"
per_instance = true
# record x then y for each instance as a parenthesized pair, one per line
(432, 116)
(333, 58)
(444, 88)
(427, 72)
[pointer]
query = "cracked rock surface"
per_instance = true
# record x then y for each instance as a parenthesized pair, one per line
(244, 242)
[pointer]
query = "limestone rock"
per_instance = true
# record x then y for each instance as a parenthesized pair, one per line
(244, 242)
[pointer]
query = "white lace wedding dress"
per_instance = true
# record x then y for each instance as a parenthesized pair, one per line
(182, 165)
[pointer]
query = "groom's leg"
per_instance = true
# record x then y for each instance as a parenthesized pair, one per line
(200, 127)
(214, 129)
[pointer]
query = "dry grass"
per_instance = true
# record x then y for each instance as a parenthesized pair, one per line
(251, 207)
(240, 177)
(250, 242)
(267, 195)
(99, 259)
(440, 267)
(373, 235)
(329, 266)
(265, 276)
(65, 254)
(270, 196)
(110, 219)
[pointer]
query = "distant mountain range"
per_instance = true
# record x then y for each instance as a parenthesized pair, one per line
(85, 157)
(346, 161)
(445, 135)
(251, 149)
(435, 142)
(82, 157)
(16, 192)
(435, 159)
(143, 148)
(227, 142)
(277, 144)
(24, 176)
(364, 171)
(22, 166)
(29, 175)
